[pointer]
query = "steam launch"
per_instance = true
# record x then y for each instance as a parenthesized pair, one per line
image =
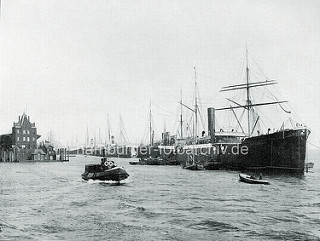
(280, 150)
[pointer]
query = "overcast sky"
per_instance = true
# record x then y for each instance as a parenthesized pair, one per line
(68, 64)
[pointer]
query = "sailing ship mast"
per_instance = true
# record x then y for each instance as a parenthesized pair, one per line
(195, 119)
(108, 145)
(195, 128)
(249, 105)
(195, 110)
(248, 92)
(150, 126)
(109, 136)
(195, 122)
(181, 122)
(87, 138)
(123, 139)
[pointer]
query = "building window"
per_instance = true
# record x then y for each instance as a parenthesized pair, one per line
(24, 131)
(23, 146)
(24, 138)
(18, 138)
(18, 131)
(33, 139)
(28, 138)
(28, 132)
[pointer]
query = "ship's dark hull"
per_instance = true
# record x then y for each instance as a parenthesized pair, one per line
(276, 152)
(151, 161)
(156, 155)
(282, 152)
(212, 157)
(148, 151)
(154, 162)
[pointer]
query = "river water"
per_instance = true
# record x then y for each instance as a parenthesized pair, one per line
(50, 201)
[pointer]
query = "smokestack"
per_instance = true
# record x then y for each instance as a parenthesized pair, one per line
(211, 124)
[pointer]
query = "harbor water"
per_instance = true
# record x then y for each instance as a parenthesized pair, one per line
(50, 201)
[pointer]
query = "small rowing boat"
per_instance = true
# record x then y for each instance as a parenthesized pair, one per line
(194, 167)
(252, 179)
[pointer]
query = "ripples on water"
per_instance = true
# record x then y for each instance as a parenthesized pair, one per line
(50, 201)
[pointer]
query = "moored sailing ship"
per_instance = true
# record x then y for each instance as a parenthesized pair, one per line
(160, 152)
(121, 149)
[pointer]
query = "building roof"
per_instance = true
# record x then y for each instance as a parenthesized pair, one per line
(24, 120)
(38, 151)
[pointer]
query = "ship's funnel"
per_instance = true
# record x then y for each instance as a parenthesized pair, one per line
(211, 124)
(166, 138)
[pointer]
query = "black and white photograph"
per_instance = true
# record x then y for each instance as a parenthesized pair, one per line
(159, 120)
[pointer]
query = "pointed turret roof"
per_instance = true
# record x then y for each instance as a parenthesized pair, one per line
(24, 120)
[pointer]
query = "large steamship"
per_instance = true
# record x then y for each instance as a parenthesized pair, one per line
(282, 150)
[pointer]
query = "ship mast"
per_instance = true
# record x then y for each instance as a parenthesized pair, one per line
(122, 137)
(181, 122)
(87, 138)
(195, 105)
(195, 111)
(195, 127)
(248, 105)
(150, 126)
(109, 129)
(248, 92)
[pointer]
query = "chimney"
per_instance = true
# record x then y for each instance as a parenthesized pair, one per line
(211, 124)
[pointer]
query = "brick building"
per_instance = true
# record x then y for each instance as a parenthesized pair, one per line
(24, 137)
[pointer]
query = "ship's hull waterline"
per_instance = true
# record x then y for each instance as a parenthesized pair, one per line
(282, 151)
